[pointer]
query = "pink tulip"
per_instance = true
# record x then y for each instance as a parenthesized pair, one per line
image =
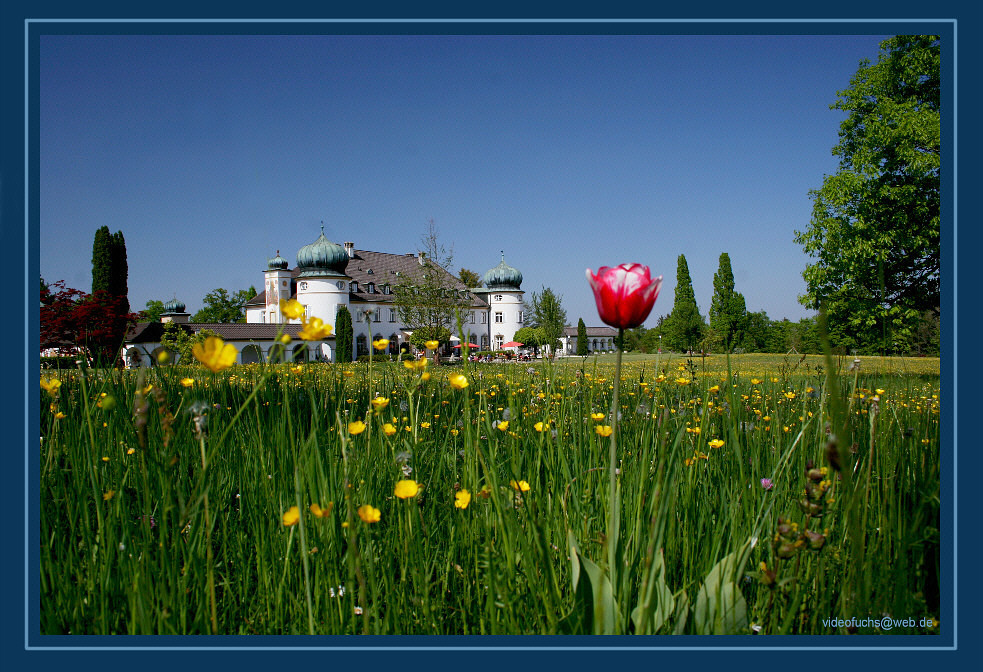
(625, 294)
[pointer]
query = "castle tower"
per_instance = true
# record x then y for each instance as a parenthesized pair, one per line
(277, 281)
(503, 293)
(322, 285)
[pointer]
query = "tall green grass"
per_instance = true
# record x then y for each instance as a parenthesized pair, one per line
(162, 508)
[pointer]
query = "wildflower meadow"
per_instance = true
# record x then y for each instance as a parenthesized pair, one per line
(603, 495)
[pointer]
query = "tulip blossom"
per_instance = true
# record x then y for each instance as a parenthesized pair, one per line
(625, 294)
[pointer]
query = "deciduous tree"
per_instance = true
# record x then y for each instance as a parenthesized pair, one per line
(429, 297)
(220, 307)
(874, 231)
(547, 314)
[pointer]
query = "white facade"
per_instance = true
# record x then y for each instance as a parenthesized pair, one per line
(328, 277)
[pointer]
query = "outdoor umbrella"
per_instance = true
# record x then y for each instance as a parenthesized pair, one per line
(512, 344)
(470, 345)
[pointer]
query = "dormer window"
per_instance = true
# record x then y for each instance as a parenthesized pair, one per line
(370, 287)
(386, 289)
(353, 287)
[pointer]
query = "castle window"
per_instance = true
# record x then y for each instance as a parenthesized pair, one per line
(499, 318)
(520, 317)
(370, 287)
(498, 297)
(353, 287)
(392, 315)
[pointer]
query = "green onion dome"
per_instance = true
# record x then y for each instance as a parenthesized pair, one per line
(322, 257)
(174, 306)
(277, 263)
(503, 276)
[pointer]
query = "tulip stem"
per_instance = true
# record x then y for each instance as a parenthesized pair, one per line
(613, 462)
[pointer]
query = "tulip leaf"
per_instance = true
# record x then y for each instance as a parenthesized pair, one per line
(595, 610)
(656, 603)
(720, 607)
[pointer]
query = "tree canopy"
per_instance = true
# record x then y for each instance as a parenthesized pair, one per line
(429, 298)
(546, 313)
(469, 278)
(153, 311)
(224, 308)
(874, 230)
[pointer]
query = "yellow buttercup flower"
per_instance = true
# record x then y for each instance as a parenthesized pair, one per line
(51, 385)
(59, 415)
(380, 403)
(521, 486)
(292, 516)
(604, 430)
(597, 417)
(369, 514)
(425, 376)
(215, 354)
(540, 426)
(432, 345)
(502, 425)
(106, 496)
(388, 429)
(380, 344)
(790, 395)
(315, 330)
(716, 443)
(461, 499)
(356, 427)
(459, 381)
(187, 382)
(755, 381)
(285, 339)
(416, 364)
(406, 489)
(292, 309)
(322, 513)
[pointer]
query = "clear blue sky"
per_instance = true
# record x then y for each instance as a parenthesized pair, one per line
(210, 153)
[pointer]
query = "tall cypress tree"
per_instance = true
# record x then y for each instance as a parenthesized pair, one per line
(109, 289)
(728, 312)
(344, 335)
(581, 338)
(119, 270)
(684, 326)
(102, 261)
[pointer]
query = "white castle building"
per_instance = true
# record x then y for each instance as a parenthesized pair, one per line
(328, 277)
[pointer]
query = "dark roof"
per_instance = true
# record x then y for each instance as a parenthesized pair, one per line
(593, 331)
(380, 268)
(150, 332)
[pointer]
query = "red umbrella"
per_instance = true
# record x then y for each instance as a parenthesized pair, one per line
(470, 345)
(512, 344)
